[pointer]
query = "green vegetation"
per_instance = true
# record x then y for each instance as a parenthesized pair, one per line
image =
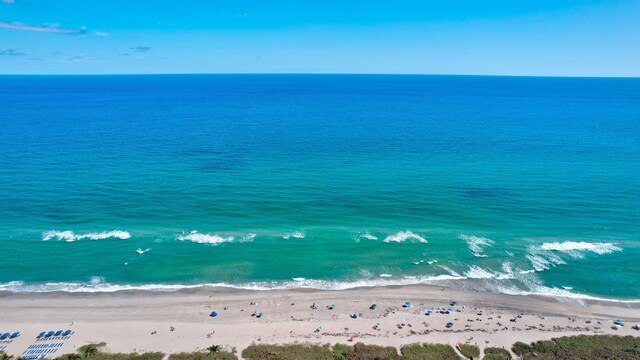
(469, 351)
(361, 351)
(494, 353)
(4, 356)
(92, 351)
(287, 352)
(219, 355)
(581, 347)
(429, 352)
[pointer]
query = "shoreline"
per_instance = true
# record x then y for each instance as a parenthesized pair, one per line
(18, 287)
(138, 320)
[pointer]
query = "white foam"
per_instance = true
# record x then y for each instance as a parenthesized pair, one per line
(476, 272)
(201, 238)
(573, 246)
(97, 284)
(140, 251)
(403, 236)
(385, 275)
(70, 236)
(477, 244)
(298, 279)
(369, 236)
(250, 237)
(295, 234)
(450, 272)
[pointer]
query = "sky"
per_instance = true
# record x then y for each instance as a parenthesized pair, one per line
(490, 37)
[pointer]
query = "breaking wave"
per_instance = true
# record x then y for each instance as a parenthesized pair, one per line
(403, 236)
(550, 254)
(369, 236)
(477, 244)
(70, 236)
(573, 247)
(213, 239)
(99, 285)
(295, 234)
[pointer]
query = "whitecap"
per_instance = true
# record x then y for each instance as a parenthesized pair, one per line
(298, 279)
(476, 272)
(141, 251)
(402, 236)
(202, 238)
(385, 275)
(249, 236)
(573, 247)
(295, 234)
(477, 244)
(70, 236)
(369, 236)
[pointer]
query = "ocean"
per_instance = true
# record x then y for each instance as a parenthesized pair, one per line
(518, 185)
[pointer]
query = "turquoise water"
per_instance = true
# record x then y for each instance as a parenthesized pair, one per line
(516, 185)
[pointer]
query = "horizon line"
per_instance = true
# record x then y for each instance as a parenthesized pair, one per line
(327, 73)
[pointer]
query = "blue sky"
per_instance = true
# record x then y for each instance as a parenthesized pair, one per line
(515, 37)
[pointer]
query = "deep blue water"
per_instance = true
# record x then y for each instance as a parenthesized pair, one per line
(508, 184)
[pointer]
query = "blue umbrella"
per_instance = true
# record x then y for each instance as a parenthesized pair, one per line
(450, 324)
(50, 333)
(41, 334)
(68, 332)
(58, 333)
(429, 312)
(15, 335)
(4, 336)
(213, 314)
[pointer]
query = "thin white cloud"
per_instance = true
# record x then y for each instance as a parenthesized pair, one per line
(39, 28)
(9, 1)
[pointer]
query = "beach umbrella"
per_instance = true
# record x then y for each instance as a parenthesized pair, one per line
(213, 314)
(68, 332)
(15, 335)
(449, 324)
(450, 309)
(429, 312)
(41, 334)
(4, 336)
(50, 333)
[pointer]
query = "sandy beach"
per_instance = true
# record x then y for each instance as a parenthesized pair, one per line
(171, 322)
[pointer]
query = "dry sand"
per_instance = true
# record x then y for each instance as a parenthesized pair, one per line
(141, 321)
